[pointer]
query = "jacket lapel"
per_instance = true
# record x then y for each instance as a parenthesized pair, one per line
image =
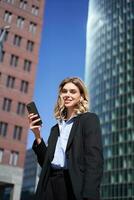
(55, 134)
(53, 141)
(73, 132)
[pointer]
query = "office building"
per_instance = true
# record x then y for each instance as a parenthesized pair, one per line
(18, 63)
(31, 173)
(109, 76)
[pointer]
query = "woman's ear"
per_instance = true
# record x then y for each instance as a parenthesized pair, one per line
(81, 99)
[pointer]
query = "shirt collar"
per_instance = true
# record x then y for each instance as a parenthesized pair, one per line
(68, 121)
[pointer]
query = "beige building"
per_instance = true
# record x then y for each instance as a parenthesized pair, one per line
(17, 75)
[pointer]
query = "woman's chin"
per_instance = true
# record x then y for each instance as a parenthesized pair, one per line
(69, 106)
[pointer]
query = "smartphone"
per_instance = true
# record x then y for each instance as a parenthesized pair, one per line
(31, 107)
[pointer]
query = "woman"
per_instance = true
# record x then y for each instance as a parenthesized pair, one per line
(72, 162)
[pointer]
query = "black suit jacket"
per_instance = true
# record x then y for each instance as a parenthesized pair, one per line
(84, 154)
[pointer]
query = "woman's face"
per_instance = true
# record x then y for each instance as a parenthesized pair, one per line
(71, 95)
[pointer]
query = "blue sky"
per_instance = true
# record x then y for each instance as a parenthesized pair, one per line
(62, 54)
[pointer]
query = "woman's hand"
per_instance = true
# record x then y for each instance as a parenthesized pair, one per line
(34, 127)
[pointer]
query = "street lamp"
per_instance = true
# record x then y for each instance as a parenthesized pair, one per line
(2, 37)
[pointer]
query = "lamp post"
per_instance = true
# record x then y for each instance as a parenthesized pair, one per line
(2, 37)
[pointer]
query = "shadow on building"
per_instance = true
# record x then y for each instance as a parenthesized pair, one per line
(27, 195)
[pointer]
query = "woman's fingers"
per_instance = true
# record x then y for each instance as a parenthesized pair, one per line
(33, 124)
(34, 127)
(36, 119)
(32, 116)
(33, 119)
(29, 117)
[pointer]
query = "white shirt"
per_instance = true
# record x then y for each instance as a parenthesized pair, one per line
(59, 159)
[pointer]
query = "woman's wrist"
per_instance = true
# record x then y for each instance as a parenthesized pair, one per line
(38, 140)
(38, 137)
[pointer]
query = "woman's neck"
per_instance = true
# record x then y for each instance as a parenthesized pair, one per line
(70, 113)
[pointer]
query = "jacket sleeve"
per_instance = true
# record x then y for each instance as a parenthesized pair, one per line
(40, 151)
(93, 157)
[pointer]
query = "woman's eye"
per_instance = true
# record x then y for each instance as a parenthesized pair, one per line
(64, 91)
(73, 91)
(70, 91)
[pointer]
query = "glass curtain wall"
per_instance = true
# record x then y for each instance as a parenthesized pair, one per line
(109, 76)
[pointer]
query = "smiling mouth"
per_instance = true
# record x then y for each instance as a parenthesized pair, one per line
(67, 101)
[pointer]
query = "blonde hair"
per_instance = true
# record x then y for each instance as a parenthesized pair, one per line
(60, 111)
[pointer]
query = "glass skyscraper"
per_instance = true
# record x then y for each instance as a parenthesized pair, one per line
(110, 78)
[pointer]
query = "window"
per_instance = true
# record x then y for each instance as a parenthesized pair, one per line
(35, 10)
(10, 1)
(30, 45)
(17, 132)
(20, 22)
(24, 86)
(32, 27)
(3, 128)
(21, 108)
(8, 16)
(7, 104)
(27, 65)
(2, 56)
(23, 4)
(14, 60)
(6, 34)
(1, 154)
(10, 81)
(17, 40)
(14, 155)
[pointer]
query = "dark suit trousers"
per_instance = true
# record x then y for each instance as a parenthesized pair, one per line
(59, 186)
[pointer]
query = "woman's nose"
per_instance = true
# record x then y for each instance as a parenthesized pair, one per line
(67, 93)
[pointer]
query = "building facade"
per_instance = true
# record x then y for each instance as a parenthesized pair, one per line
(110, 78)
(18, 63)
(31, 173)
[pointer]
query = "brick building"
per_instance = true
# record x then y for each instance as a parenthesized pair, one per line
(17, 75)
